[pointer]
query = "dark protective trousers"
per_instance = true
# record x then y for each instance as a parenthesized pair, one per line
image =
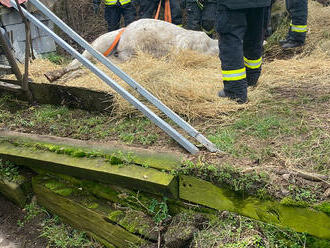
(113, 13)
(298, 10)
(148, 9)
(201, 19)
(240, 46)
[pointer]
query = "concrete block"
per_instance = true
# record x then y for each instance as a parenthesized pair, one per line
(17, 31)
(19, 50)
(37, 32)
(44, 44)
(11, 18)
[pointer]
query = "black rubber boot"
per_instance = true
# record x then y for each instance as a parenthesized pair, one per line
(239, 100)
(291, 44)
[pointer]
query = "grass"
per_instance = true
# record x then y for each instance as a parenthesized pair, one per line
(62, 236)
(280, 135)
(79, 124)
(57, 59)
(31, 211)
(233, 231)
(9, 171)
(57, 233)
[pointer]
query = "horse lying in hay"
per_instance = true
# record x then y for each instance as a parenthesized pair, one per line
(155, 37)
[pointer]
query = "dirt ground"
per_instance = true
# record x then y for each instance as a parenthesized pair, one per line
(13, 236)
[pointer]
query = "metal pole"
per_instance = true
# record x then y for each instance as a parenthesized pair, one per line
(130, 98)
(100, 57)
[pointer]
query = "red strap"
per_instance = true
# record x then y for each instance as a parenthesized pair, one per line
(167, 11)
(158, 10)
(114, 43)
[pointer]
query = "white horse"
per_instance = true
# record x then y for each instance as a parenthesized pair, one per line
(155, 37)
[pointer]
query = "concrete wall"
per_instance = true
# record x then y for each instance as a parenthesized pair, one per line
(15, 28)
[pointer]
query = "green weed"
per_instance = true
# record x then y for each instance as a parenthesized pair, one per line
(63, 236)
(159, 210)
(31, 211)
(9, 171)
(57, 59)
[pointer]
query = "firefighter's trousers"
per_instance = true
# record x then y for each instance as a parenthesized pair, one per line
(113, 13)
(149, 7)
(240, 46)
(201, 19)
(298, 10)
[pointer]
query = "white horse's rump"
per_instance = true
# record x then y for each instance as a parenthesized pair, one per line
(152, 36)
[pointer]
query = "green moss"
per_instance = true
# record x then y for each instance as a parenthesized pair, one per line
(79, 154)
(115, 160)
(324, 207)
(92, 205)
(54, 184)
(116, 215)
(288, 201)
(63, 192)
(114, 156)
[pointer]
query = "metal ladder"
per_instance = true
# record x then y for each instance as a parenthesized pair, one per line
(120, 90)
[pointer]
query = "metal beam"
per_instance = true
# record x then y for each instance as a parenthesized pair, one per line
(100, 57)
(130, 98)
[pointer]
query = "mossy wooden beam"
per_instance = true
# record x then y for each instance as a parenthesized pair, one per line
(158, 160)
(82, 217)
(300, 219)
(70, 96)
(14, 192)
(128, 176)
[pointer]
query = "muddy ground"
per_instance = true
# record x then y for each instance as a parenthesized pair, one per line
(13, 236)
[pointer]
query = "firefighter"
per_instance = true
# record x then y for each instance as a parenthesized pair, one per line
(240, 25)
(149, 7)
(113, 11)
(298, 10)
(201, 15)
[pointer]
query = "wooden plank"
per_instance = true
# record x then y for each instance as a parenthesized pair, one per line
(10, 56)
(159, 160)
(13, 191)
(10, 87)
(299, 219)
(72, 97)
(5, 69)
(128, 176)
(84, 218)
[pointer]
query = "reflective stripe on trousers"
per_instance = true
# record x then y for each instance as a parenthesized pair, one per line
(114, 2)
(298, 28)
(233, 75)
(253, 64)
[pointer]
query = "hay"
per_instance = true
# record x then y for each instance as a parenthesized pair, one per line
(188, 82)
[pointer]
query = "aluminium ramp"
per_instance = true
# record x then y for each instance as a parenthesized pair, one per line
(144, 109)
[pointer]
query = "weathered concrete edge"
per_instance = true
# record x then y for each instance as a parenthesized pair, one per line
(158, 160)
(128, 176)
(299, 219)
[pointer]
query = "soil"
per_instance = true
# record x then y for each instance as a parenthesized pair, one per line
(13, 236)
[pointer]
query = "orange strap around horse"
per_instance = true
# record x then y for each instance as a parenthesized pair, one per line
(167, 11)
(114, 43)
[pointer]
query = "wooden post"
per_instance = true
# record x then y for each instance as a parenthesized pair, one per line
(10, 58)
(25, 81)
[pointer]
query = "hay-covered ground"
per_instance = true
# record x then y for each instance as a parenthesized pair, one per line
(283, 130)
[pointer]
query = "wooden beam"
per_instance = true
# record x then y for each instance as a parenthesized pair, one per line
(128, 176)
(72, 97)
(10, 57)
